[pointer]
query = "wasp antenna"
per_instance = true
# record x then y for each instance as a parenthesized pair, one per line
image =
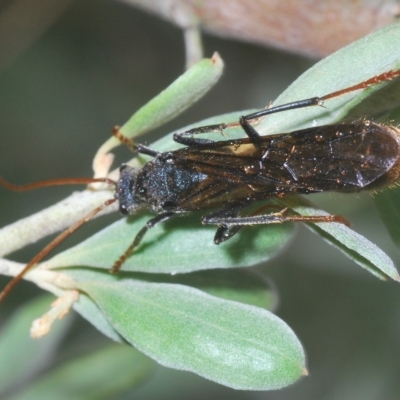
(54, 243)
(375, 80)
(128, 142)
(54, 182)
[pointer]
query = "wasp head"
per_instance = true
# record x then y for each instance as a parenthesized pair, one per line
(126, 190)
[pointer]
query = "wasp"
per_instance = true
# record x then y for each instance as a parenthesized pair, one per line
(224, 178)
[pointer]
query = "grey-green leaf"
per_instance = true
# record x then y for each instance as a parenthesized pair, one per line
(244, 286)
(237, 345)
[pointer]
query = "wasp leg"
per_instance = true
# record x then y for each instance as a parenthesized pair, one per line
(186, 137)
(313, 101)
(224, 232)
(273, 218)
(253, 135)
(141, 149)
(138, 238)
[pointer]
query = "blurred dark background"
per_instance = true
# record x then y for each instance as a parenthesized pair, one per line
(91, 69)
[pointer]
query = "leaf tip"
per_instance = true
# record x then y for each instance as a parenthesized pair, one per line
(396, 277)
(217, 60)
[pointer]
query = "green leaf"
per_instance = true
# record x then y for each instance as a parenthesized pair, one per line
(100, 375)
(20, 356)
(240, 285)
(240, 346)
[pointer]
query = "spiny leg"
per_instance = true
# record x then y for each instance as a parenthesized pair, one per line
(273, 218)
(138, 238)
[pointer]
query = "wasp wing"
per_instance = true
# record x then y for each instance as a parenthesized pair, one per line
(342, 157)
